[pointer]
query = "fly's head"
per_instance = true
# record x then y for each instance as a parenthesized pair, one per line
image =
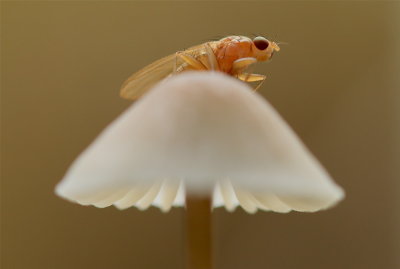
(263, 49)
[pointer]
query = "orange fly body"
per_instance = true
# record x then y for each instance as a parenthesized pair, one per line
(231, 55)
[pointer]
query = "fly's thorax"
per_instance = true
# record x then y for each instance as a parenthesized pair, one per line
(231, 48)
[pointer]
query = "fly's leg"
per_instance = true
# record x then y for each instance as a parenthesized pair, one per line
(208, 59)
(261, 81)
(243, 63)
(191, 61)
(211, 57)
(176, 63)
(252, 78)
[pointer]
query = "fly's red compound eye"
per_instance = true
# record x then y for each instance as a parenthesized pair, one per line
(260, 43)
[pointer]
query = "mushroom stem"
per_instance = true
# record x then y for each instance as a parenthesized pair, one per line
(198, 232)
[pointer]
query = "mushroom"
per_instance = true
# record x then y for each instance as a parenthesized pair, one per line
(199, 135)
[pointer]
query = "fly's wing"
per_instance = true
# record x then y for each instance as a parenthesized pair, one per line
(137, 84)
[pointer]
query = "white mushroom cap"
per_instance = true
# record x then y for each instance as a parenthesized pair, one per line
(200, 132)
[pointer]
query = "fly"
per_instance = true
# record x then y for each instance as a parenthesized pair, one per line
(231, 55)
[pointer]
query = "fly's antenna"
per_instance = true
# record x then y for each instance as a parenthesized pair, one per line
(275, 37)
(281, 43)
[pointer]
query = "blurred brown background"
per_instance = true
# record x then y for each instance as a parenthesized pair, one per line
(336, 83)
